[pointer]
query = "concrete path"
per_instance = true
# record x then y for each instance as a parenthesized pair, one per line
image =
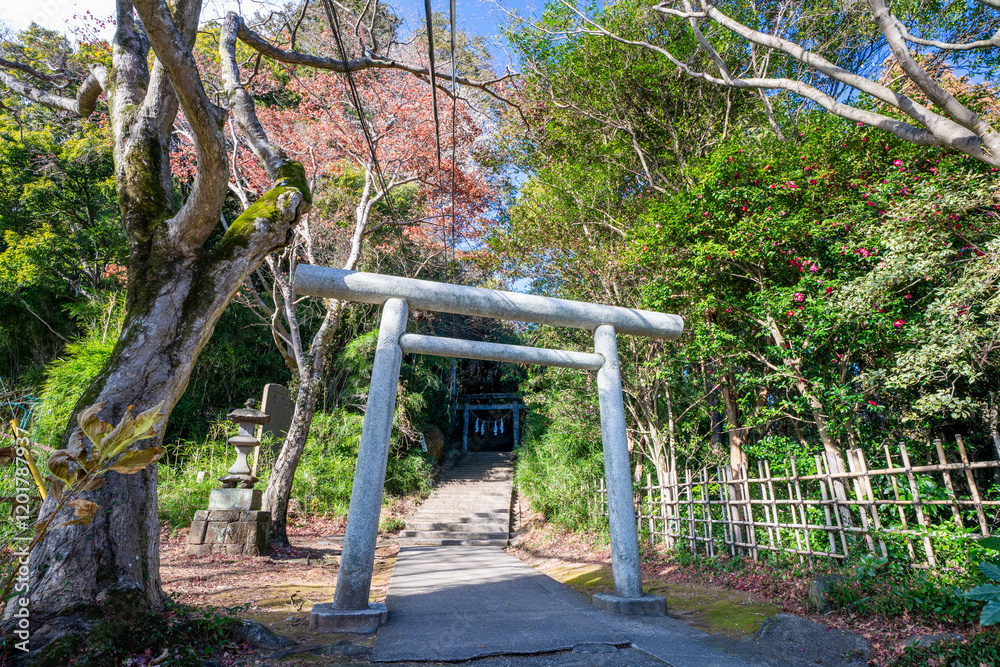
(453, 603)
(470, 505)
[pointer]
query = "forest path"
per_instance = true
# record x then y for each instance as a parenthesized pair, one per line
(470, 505)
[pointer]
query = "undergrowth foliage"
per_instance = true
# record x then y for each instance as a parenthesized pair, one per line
(885, 587)
(322, 482)
(561, 455)
(182, 635)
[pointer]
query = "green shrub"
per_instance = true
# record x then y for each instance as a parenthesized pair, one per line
(556, 467)
(988, 592)
(181, 495)
(323, 478)
(188, 633)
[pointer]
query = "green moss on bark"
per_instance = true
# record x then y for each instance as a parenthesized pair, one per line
(291, 178)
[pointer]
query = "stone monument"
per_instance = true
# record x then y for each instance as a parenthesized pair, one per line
(277, 404)
(234, 523)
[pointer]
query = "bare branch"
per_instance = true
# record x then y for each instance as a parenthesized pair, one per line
(271, 157)
(252, 39)
(295, 28)
(31, 71)
(40, 319)
(968, 135)
(82, 105)
(948, 46)
(961, 114)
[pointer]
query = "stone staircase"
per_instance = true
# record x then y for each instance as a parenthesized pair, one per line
(471, 505)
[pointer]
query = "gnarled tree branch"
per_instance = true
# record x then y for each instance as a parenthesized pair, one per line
(371, 61)
(240, 103)
(82, 105)
(189, 228)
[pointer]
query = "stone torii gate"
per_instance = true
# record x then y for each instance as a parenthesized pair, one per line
(350, 610)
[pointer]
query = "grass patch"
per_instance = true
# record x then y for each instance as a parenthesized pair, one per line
(715, 610)
(323, 479)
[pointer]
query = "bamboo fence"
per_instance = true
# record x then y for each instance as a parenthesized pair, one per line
(820, 509)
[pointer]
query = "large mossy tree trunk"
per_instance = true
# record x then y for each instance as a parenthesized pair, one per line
(179, 283)
(181, 276)
(116, 557)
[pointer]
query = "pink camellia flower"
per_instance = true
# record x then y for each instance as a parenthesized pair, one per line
(829, 289)
(812, 181)
(800, 297)
(898, 323)
(791, 312)
(898, 163)
(872, 403)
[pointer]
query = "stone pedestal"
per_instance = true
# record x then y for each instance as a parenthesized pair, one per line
(231, 532)
(235, 499)
(647, 605)
(327, 618)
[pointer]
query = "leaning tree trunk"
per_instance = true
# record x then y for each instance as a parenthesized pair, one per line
(834, 453)
(310, 372)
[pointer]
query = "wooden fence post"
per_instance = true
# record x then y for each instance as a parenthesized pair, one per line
(955, 513)
(794, 522)
(872, 506)
(836, 503)
(665, 534)
(706, 508)
(921, 519)
(970, 478)
(690, 504)
(828, 519)
(900, 508)
(727, 526)
(802, 512)
(774, 505)
(859, 496)
(751, 527)
(650, 506)
(767, 511)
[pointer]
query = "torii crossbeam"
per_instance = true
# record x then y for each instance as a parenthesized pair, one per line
(350, 610)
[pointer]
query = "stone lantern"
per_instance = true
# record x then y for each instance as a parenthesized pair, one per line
(248, 418)
(234, 523)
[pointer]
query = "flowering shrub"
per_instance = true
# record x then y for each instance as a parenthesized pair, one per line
(791, 260)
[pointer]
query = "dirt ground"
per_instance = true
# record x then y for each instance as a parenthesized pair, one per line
(731, 604)
(279, 589)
